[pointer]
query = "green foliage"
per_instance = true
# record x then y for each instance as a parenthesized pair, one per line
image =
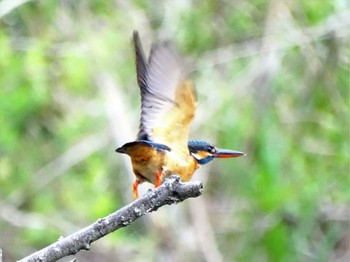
(272, 80)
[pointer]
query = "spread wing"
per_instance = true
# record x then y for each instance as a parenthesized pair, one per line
(168, 100)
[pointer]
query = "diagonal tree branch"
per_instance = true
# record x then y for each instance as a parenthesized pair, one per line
(172, 191)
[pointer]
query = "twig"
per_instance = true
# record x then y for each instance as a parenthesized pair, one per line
(172, 191)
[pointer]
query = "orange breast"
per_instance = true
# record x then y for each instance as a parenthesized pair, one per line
(183, 166)
(146, 161)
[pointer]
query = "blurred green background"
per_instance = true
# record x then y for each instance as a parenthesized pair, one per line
(272, 79)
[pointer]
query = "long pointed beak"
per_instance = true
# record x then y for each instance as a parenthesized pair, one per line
(224, 153)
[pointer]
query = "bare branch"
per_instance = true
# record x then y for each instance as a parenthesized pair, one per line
(172, 191)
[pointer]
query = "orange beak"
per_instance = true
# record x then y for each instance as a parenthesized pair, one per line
(224, 153)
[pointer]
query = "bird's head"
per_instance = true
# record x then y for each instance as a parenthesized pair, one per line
(204, 152)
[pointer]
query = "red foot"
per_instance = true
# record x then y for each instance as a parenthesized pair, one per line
(159, 178)
(135, 192)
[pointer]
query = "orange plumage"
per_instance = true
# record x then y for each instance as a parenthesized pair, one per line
(168, 104)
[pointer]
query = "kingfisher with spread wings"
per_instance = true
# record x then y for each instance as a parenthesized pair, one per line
(168, 105)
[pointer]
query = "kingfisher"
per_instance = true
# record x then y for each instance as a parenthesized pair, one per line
(168, 105)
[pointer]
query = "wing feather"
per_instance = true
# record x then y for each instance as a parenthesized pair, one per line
(167, 98)
(141, 63)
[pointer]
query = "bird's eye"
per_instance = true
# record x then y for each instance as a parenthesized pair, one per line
(211, 149)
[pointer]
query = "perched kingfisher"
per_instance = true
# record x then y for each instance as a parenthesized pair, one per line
(168, 104)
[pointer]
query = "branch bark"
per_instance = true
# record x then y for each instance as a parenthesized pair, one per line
(172, 191)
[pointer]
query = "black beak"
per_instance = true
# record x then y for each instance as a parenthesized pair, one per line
(224, 153)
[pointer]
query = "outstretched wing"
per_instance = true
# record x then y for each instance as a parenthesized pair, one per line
(167, 97)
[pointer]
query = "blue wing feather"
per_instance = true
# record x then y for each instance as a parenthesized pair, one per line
(159, 147)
